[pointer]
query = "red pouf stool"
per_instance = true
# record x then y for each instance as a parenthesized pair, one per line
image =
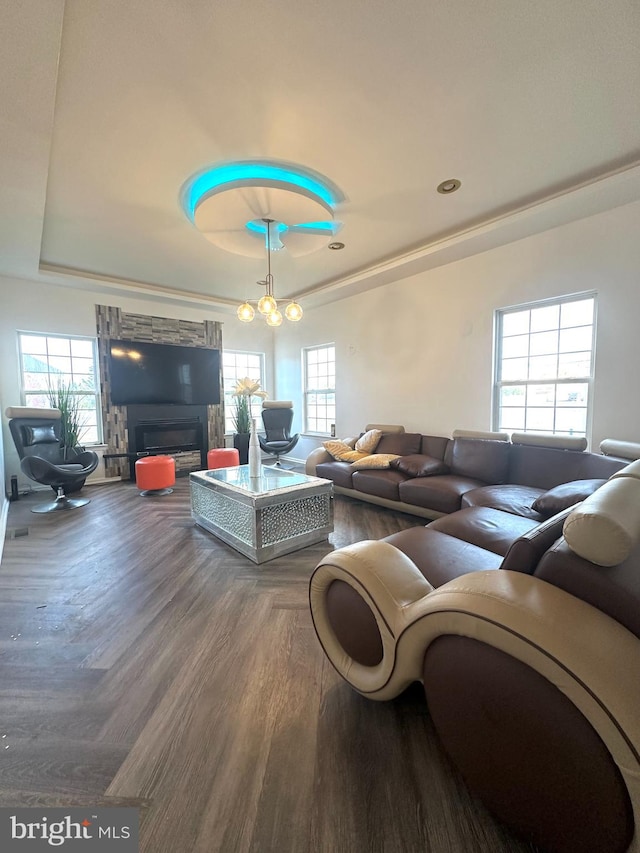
(155, 475)
(223, 457)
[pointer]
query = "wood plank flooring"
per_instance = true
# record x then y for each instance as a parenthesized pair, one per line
(145, 663)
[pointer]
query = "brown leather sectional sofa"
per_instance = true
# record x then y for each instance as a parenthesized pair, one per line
(532, 672)
(475, 471)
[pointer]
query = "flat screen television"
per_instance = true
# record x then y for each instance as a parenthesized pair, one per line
(163, 374)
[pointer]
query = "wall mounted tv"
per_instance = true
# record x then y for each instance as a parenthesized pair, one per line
(163, 374)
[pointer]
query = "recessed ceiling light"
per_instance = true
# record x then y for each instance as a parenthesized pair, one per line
(449, 186)
(336, 246)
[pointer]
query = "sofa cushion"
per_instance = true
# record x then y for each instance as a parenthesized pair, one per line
(400, 443)
(508, 498)
(434, 445)
(441, 557)
(481, 459)
(419, 465)
(382, 484)
(487, 528)
(565, 495)
(368, 441)
(339, 472)
(375, 460)
(441, 493)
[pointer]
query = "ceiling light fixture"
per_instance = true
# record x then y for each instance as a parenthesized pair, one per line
(336, 246)
(449, 186)
(267, 304)
(228, 203)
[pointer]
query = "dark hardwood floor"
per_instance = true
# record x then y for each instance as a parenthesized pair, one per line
(145, 663)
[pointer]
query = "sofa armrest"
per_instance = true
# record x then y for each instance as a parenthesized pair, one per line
(314, 459)
(321, 455)
(567, 640)
(388, 583)
(542, 626)
(546, 663)
(527, 550)
(585, 654)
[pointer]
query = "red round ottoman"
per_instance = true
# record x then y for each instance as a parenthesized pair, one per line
(222, 457)
(155, 475)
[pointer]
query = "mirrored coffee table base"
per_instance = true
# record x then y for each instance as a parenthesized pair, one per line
(264, 517)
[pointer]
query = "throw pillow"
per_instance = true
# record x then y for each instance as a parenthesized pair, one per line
(368, 442)
(352, 456)
(565, 495)
(341, 451)
(376, 460)
(419, 465)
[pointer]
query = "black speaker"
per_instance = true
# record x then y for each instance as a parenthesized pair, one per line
(14, 488)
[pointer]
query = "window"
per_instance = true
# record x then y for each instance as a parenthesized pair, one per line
(544, 367)
(236, 365)
(48, 361)
(319, 389)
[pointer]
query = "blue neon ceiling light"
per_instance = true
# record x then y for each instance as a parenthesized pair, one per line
(261, 228)
(244, 173)
(321, 227)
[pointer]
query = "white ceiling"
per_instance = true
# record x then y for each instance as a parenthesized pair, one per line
(108, 107)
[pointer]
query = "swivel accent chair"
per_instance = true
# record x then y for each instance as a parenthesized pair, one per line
(277, 416)
(36, 435)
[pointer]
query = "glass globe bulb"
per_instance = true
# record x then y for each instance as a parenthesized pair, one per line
(274, 319)
(267, 305)
(293, 312)
(245, 312)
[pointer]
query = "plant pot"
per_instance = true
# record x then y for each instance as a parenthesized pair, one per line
(241, 443)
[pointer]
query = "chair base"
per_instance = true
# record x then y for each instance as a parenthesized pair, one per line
(62, 502)
(279, 464)
(146, 493)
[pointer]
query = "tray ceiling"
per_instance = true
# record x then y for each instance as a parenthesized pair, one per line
(111, 107)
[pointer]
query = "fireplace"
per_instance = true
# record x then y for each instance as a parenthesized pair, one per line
(167, 429)
(168, 436)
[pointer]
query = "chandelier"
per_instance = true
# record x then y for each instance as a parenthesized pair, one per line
(267, 304)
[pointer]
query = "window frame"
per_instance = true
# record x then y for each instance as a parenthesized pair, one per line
(25, 393)
(256, 403)
(307, 390)
(499, 383)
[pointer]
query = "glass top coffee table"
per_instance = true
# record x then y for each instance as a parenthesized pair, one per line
(262, 517)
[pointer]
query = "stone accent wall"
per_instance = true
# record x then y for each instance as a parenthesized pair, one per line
(115, 323)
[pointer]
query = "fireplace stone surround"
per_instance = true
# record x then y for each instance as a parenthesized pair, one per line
(120, 441)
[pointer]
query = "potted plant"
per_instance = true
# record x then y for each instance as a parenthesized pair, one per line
(244, 391)
(63, 396)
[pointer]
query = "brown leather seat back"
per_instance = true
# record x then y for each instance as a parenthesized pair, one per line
(546, 467)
